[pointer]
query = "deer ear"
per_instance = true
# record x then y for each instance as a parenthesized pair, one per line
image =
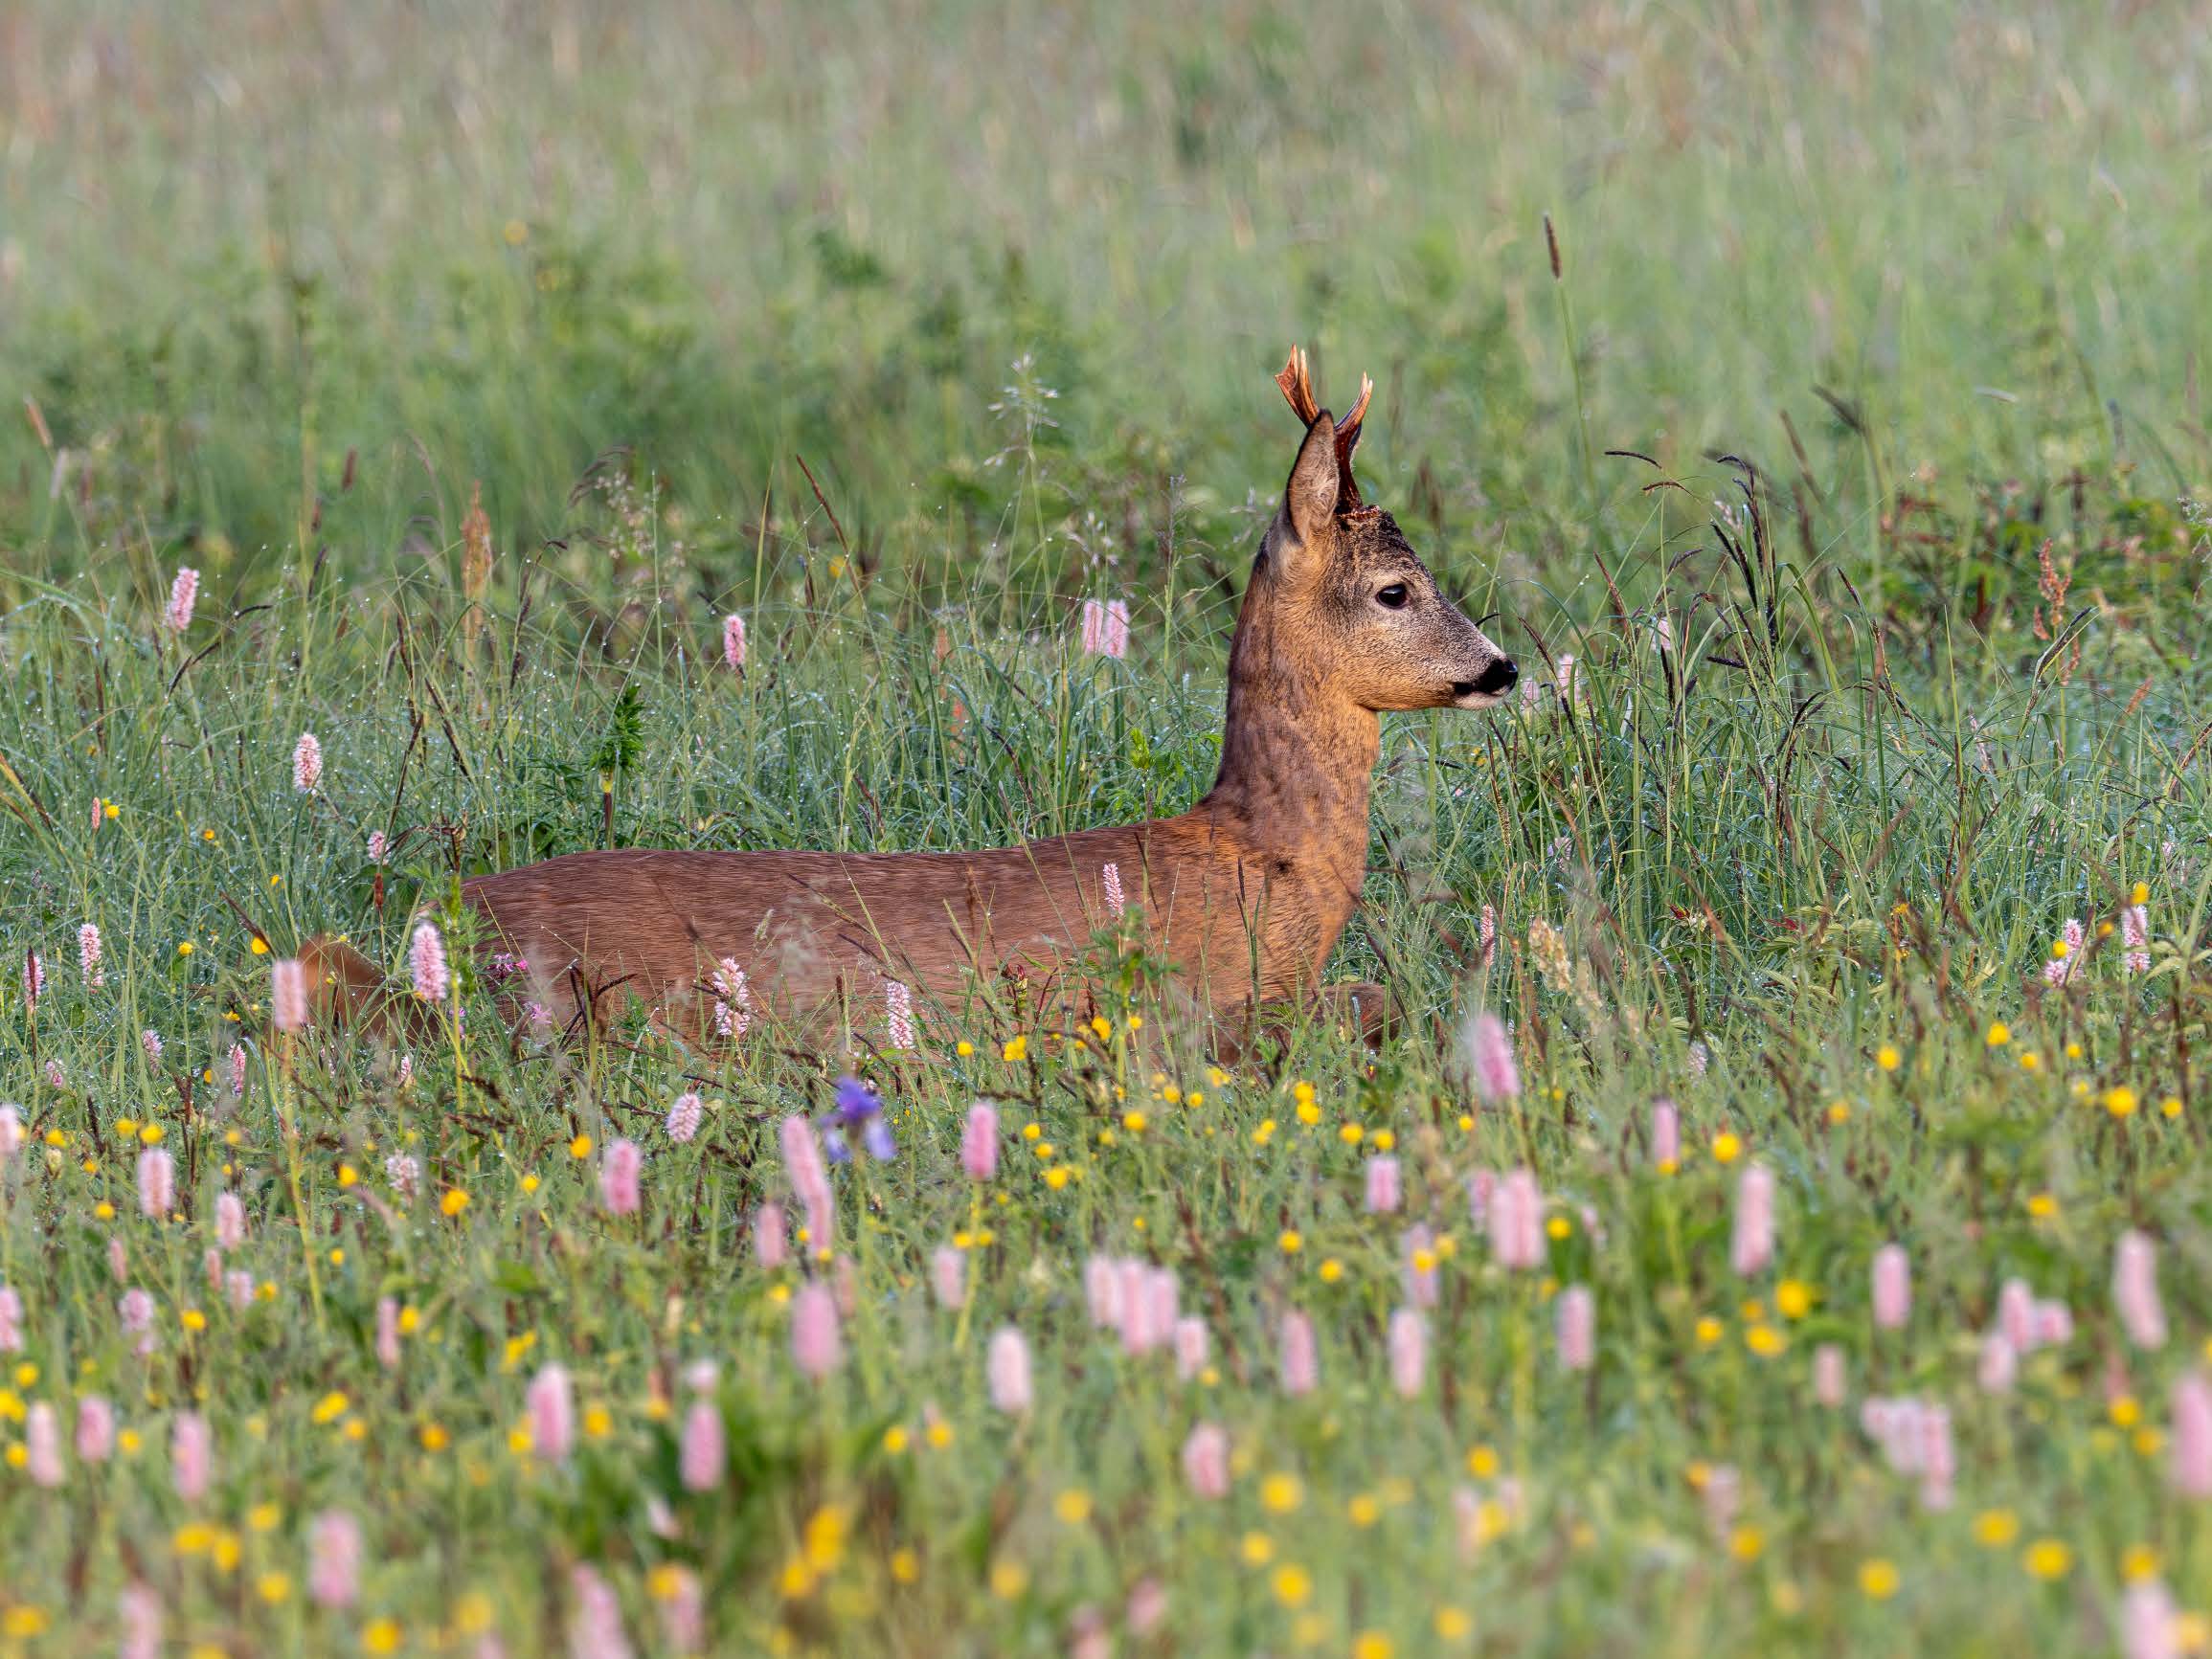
(1309, 500)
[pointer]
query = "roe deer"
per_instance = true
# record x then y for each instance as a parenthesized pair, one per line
(1245, 894)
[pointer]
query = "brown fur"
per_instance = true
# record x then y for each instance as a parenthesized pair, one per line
(1246, 893)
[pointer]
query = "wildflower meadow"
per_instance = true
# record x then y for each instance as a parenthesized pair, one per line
(1776, 1216)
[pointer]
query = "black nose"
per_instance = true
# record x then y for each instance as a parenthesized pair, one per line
(1496, 680)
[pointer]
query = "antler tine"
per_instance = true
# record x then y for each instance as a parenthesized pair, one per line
(1297, 387)
(1347, 428)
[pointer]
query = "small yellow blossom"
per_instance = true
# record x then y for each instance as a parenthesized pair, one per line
(1292, 1585)
(2047, 1559)
(1727, 1147)
(1017, 1049)
(1886, 1057)
(1292, 1240)
(1878, 1578)
(1281, 1493)
(2120, 1101)
(1073, 1506)
(1998, 1034)
(1995, 1528)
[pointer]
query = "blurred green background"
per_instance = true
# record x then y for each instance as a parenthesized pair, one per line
(292, 275)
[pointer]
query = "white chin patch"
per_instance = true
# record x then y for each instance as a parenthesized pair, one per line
(1476, 700)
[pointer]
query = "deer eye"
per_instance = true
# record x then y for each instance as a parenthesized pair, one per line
(1393, 598)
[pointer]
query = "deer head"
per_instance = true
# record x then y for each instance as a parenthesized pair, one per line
(1347, 593)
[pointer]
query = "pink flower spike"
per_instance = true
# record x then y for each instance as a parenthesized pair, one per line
(2135, 938)
(287, 994)
(1489, 1053)
(308, 763)
(192, 1456)
(138, 1611)
(42, 1446)
(1106, 627)
(2191, 1468)
(595, 1621)
(1577, 1328)
(1109, 884)
(734, 641)
(156, 1182)
(769, 1237)
(1138, 1334)
(1301, 1370)
(1667, 1134)
(1408, 1345)
(1192, 1344)
(1008, 1369)
(1829, 1385)
(1206, 1461)
(426, 963)
(700, 1457)
(1517, 1222)
(88, 949)
(1892, 1287)
(552, 1404)
(809, 1177)
(184, 591)
(2150, 1622)
(1752, 1248)
(33, 980)
(334, 1559)
(816, 1347)
(898, 1014)
(95, 1428)
(979, 1142)
(388, 1333)
(379, 847)
(1103, 1291)
(2135, 1290)
(1998, 1365)
(619, 1177)
(949, 1277)
(11, 1320)
(1382, 1185)
(685, 1116)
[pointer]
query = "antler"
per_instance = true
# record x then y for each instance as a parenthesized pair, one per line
(1297, 390)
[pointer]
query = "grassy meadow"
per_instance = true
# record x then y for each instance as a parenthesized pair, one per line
(1812, 396)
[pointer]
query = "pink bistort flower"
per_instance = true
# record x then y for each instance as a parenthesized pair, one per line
(308, 763)
(426, 963)
(184, 591)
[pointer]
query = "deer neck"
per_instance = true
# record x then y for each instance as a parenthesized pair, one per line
(1296, 760)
